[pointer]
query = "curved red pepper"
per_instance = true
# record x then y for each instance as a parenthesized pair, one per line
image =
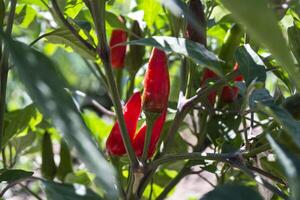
(156, 83)
(207, 76)
(139, 139)
(229, 93)
(117, 53)
(131, 111)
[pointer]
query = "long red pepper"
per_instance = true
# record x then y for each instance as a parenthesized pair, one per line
(117, 53)
(229, 93)
(132, 110)
(156, 83)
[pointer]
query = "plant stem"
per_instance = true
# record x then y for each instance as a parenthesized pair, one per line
(4, 158)
(150, 120)
(184, 109)
(4, 69)
(247, 144)
(119, 75)
(97, 9)
(70, 27)
(173, 183)
(30, 191)
(131, 86)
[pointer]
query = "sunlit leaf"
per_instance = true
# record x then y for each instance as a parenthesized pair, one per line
(58, 191)
(291, 166)
(260, 21)
(193, 50)
(47, 88)
(13, 175)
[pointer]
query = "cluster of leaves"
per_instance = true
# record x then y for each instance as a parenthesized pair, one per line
(254, 140)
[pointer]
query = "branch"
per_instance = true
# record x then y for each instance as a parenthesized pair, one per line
(4, 68)
(97, 9)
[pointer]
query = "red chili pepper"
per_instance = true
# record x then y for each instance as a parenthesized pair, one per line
(132, 110)
(139, 139)
(229, 94)
(156, 83)
(117, 53)
(240, 77)
(207, 76)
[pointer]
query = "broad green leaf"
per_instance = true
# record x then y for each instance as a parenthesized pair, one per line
(232, 192)
(291, 166)
(19, 121)
(80, 177)
(73, 7)
(13, 175)
(25, 15)
(193, 50)
(151, 9)
(260, 96)
(38, 3)
(24, 142)
(58, 191)
(114, 21)
(250, 65)
(46, 86)
(64, 36)
(261, 24)
(294, 41)
(284, 118)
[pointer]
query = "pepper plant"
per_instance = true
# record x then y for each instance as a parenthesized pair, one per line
(129, 99)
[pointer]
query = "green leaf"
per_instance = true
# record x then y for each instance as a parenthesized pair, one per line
(250, 65)
(151, 9)
(193, 50)
(46, 86)
(13, 175)
(232, 192)
(64, 36)
(80, 177)
(58, 191)
(25, 15)
(261, 24)
(262, 96)
(20, 120)
(38, 3)
(291, 166)
(283, 117)
(294, 41)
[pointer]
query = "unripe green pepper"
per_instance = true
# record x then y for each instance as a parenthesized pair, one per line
(48, 167)
(231, 42)
(134, 58)
(65, 165)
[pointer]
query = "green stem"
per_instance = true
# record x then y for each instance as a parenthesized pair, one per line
(4, 69)
(131, 86)
(190, 81)
(150, 120)
(189, 104)
(119, 75)
(173, 183)
(183, 76)
(256, 151)
(4, 158)
(97, 9)
(247, 144)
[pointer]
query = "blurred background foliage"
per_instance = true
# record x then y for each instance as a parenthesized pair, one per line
(37, 24)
